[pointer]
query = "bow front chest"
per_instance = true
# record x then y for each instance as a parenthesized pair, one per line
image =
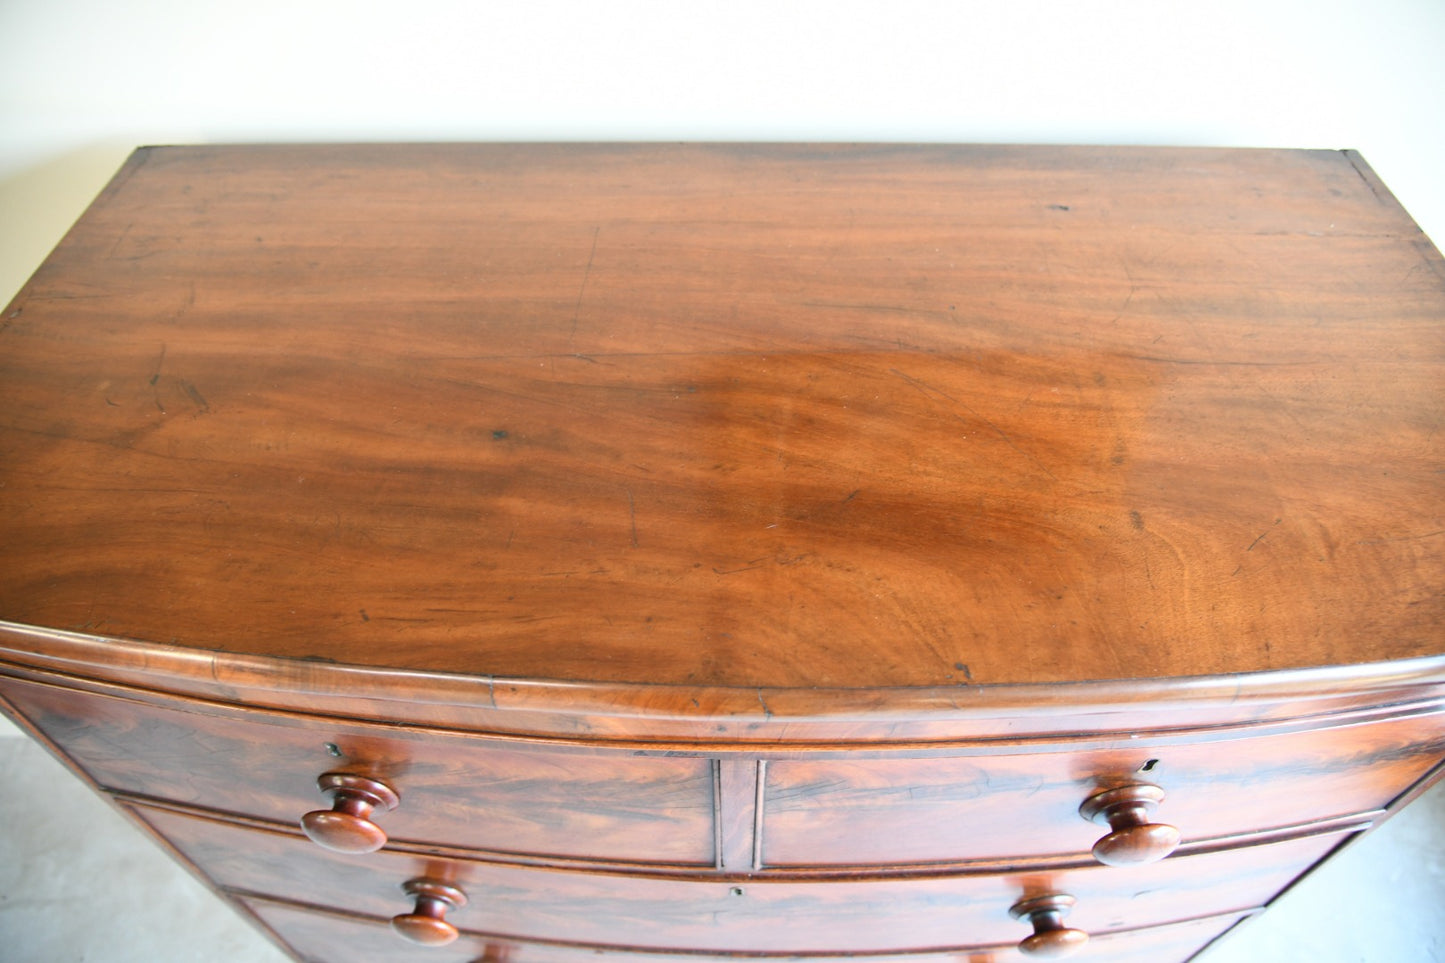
(662, 553)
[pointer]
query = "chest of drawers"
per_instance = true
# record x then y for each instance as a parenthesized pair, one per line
(663, 553)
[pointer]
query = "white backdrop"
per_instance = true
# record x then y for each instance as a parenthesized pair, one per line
(83, 81)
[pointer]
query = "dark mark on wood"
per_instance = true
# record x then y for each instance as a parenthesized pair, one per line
(195, 396)
(160, 363)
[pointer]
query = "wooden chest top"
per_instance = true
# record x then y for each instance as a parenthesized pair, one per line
(743, 416)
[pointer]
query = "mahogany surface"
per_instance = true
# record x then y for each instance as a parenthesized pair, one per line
(719, 549)
(769, 416)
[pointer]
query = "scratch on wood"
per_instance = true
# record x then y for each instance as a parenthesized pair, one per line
(119, 241)
(1400, 538)
(1261, 537)
(1133, 290)
(160, 363)
(766, 711)
(755, 563)
(586, 273)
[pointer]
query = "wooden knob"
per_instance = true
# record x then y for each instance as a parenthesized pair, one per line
(1051, 939)
(427, 924)
(1134, 838)
(347, 827)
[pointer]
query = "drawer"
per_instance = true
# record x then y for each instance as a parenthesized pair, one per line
(456, 790)
(824, 812)
(755, 914)
(332, 938)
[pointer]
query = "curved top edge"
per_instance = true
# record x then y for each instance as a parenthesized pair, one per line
(189, 670)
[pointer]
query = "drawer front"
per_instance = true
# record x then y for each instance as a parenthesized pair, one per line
(757, 914)
(833, 811)
(326, 938)
(454, 790)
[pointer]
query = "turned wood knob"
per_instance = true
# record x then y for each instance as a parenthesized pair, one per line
(347, 827)
(427, 924)
(1051, 939)
(1134, 838)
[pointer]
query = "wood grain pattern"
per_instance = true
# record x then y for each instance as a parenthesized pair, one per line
(335, 938)
(754, 416)
(741, 914)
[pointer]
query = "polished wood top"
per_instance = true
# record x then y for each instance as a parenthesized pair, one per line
(768, 416)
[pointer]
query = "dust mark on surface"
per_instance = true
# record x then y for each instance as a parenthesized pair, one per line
(929, 391)
(582, 291)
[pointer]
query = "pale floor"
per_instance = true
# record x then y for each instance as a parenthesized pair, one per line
(79, 884)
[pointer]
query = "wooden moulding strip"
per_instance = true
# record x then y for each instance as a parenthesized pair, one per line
(722, 714)
(978, 737)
